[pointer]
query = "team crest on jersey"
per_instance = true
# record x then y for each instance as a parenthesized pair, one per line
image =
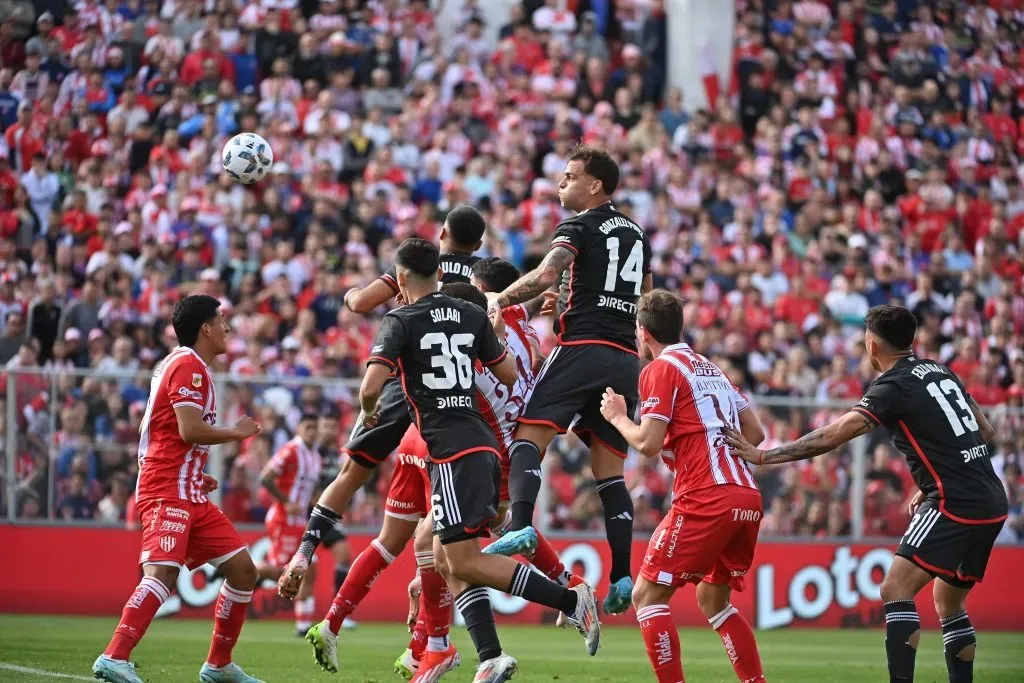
(167, 543)
(197, 380)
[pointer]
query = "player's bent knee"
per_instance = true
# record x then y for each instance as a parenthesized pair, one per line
(165, 574)
(712, 598)
(240, 571)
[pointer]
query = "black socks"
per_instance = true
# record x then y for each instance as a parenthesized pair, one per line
(618, 523)
(523, 482)
(901, 622)
(475, 606)
(321, 520)
(537, 588)
(958, 633)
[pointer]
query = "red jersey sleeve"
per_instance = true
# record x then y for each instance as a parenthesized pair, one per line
(283, 459)
(187, 384)
(658, 390)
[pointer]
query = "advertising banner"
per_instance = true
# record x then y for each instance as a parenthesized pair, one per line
(68, 570)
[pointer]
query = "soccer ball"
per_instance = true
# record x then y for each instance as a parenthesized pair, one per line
(247, 158)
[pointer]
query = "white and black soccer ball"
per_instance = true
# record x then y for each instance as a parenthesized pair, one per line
(247, 158)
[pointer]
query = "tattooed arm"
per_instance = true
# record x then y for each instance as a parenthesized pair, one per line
(539, 279)
(828, 438)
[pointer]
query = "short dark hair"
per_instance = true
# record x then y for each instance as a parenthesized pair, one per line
(309, 416)
(419, 256)
(190, 314)
(466, 225)
(660, 312)
(895, 325)
(496, 274)
(466, 292)
(598, 163)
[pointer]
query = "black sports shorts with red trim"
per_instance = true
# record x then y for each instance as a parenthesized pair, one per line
(371, 447)
(569, 389)
(949, 550)
(464, 495)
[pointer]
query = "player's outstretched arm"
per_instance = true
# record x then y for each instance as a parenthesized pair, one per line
(369, 297)
(648, 437)
(828, 438)
(533, 284)
(988, 432)
(193, 429)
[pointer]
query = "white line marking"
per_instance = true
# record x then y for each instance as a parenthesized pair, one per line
(41, 672)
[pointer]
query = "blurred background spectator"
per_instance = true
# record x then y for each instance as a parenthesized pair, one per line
(861, 152)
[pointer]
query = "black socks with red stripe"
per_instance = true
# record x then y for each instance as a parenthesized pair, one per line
(901, 624)
(523, 482)
(321, 521)
(618, 523)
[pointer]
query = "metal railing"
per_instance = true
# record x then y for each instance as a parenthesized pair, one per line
(71, 436)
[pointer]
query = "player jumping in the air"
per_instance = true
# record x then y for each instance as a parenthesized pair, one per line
(960, 508)
(434, 342)
(181, 528)
(685, 403)
(603, 261)
(368, 446)
(291, 477)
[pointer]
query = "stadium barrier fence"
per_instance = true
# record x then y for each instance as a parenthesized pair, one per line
(53, 418)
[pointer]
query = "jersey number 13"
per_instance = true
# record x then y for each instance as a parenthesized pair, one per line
(961, 424)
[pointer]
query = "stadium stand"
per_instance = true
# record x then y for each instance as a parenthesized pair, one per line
(864, 151)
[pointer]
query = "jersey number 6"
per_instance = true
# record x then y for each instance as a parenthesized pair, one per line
(450, 358)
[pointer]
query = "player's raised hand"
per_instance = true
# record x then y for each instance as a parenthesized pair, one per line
(492, 302)
(742, 448)
(415, 587)
(210, 483)
(371, 419)
(915, 502)
(247, 427)
(550, 303)
(613, 406)
(497, 322)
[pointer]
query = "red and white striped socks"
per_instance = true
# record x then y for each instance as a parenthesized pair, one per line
(136, 616)
(740, 644)
(374, 559)
(304, 611)
(229, 615)
(435, 603)
(662, 642)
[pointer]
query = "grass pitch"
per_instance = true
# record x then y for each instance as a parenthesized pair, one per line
(35, 649)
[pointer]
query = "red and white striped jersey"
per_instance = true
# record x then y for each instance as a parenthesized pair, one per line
(696, 399)
(499, 405)
(169, 467)
(297, 467)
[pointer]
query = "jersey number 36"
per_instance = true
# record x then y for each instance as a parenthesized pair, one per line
(454, 364)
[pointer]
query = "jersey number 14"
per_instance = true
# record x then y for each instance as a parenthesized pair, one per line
(632, 269)
(456, 366)
(961, 424)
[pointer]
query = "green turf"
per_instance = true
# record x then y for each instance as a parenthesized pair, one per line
(174, 650)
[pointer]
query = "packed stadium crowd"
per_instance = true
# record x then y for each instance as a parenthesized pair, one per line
(861, 152)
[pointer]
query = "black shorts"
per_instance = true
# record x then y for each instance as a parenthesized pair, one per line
(335, 535)
(569, 389)
(371, 447)
(952, 551)
(464, 496)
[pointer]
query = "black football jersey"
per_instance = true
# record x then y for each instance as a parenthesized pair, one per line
(926, 410)
(434, 344)
(454, 268)
(598, 294)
